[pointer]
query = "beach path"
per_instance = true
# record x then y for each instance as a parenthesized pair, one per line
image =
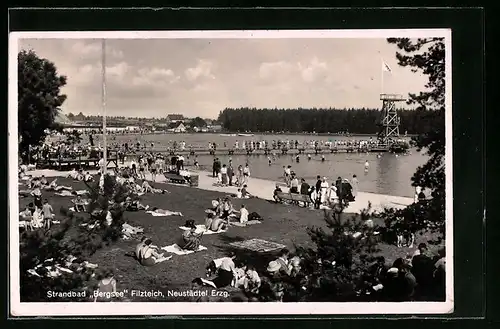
(263, 189)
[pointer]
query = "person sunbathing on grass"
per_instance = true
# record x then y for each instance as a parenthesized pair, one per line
(56, 188)
(214, 223)
(37, 219)
(166, 212)
(133, 205)
(146, 187)
(25, 214)
(43, 181)
(191, 240)
(147, 254)
(88, 177)
(79, 204)
(244, 192)
(73, 174)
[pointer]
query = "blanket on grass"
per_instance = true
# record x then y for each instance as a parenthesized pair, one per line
(258, 245)
(250, 222)
(201, 228)
(175, 249)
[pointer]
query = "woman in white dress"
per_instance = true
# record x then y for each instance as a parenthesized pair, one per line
(333, 197)
(324, 191)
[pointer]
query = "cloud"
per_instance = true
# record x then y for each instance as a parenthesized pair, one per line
(203, 76)
(202, 70)
(118, 70)
(275, 70)
(83, 48)
(314, 70)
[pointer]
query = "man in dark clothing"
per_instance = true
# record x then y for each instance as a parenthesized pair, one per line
(318, 189)
(230, 173)
(214, 168)
(218, 165)
(340, 194)
(304, 187)
(422, 269)
(275, 194)
(304, 190)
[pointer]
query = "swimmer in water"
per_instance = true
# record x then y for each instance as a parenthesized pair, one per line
(367, 165)
(322, 158)
(309, 157)
(297, 158)
(269, 160)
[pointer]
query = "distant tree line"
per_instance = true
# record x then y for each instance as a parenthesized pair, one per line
(198, 121)
(353, 121)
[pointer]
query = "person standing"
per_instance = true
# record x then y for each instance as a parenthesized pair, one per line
(240, 175)
(324, 189)
(355, 186)
(318, 193)
(214, 168)
(246, 174)
(230, 173)
(294, 184)
(340, 191)
(181, 162)
(217, 166)
(223, 172)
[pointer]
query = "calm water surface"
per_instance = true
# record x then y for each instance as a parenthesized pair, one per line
(389, 174)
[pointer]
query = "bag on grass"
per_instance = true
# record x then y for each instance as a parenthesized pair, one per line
(255, 216)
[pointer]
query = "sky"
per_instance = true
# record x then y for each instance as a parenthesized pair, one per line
(201, 77)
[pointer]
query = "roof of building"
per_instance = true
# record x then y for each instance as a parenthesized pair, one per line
(175, 117)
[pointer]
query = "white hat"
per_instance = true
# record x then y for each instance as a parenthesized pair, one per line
(273, 266)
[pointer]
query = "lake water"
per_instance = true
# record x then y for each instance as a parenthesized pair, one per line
(389, 174)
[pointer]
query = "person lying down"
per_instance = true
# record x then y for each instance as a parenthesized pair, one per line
(133, 205)
(147, 188)
(147, 254)
(165, 212)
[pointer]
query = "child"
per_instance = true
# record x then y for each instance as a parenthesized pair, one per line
(243, 214)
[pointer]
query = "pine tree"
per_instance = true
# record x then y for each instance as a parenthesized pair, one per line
(78, 235)
(428, 56)
(335, 269)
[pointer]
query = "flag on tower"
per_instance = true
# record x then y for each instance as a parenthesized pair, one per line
(386, 67)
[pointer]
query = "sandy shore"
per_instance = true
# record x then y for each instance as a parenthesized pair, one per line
(263, 189)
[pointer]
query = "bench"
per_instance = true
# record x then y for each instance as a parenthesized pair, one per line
(174, 178)
(294, 197)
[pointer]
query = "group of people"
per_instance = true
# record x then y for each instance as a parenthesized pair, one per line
(266, 286)
(341, 191)
(418, 277)
(227, 176)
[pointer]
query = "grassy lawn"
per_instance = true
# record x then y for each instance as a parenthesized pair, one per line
(283, 224)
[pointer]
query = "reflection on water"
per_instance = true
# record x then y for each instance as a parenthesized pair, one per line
(387, 174)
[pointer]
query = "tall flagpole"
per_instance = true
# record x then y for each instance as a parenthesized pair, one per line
(382, 76)
(103, 71)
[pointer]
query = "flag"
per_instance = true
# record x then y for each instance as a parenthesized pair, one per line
(386, 67)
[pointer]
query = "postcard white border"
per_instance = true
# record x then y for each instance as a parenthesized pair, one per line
(171, 308)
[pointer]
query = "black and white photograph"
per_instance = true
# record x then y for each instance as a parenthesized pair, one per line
(194, 172)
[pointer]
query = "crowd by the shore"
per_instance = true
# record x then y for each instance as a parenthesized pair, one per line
(283, 279)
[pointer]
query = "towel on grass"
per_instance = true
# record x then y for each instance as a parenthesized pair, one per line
(208, 283)
(250, 222)
(82, 192)
(155, 214)
(64, 193)
(201, 228)
(56, 222)
(175, 249)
